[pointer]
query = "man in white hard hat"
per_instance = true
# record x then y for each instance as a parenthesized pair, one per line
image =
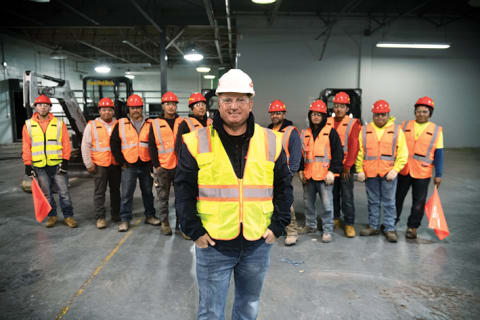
(232, 206)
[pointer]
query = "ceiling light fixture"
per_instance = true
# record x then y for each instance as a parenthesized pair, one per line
(413, 45)
(58, 54)
(102, 69)
(209, 76)
(130, 76)
(203, 69)
(264, 1)
(193, 55)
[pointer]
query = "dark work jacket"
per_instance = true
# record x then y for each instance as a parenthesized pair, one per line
(336, 149)
(294, 146)
(116, 147)
(152, 144)
(236, 147)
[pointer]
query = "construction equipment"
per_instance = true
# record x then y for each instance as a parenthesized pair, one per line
(355, 105)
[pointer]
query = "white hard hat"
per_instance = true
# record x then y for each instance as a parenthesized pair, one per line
(235, 80)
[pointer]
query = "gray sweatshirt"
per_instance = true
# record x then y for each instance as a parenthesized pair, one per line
(87, 141)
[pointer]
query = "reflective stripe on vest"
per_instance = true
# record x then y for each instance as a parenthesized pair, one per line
(226, 202)
(46, 147)
(287, 131)
(162, 149)
(193, 123)
(95, 125)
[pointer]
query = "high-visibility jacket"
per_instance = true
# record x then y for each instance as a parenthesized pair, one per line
(100, 152)
(194, 123)
(421, 151)
(316, 153)
(165, 140)
(46, 147)
(286, 132)
(344, 131)
(379, 155)
(226, 202)
(134, 145)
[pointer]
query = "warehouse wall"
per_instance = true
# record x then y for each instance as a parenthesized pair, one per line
(283, 61)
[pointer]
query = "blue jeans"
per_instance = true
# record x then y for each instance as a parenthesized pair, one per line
(310, 190)
(381, 192)
(214, 270)
(128, 185)
(47, 178)
(343, 199)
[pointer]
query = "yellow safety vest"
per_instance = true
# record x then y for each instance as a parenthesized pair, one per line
(46, 147)
(225, 202)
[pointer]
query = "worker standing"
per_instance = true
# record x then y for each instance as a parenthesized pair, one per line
(129, 144)
(322, 159)
(348, 130)
(382, 154)
(233, 191)
(45, 151)
(99, 161)
(293, 150)
(161, 145)
(425, 151)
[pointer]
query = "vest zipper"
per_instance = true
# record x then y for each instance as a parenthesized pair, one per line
(240, 200)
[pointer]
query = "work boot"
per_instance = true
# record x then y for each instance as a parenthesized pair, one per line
(51, 221)
(290, 240)
(349, 231)
(123, 227)
(70, 222)
(391, 236)
(154, 221)
(336, 223)
(307, 229)
(411, 233)
(185, 236)
(368, 231)
(165, 228)
(101, 223)
(326, 237)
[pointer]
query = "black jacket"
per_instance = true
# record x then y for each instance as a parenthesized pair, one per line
(186, 188)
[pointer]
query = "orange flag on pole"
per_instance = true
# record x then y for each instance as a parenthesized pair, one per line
(40, 202)
(436, 218)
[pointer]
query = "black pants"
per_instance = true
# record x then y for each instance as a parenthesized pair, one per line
(112, 176)
(419, 197)
(343, 199)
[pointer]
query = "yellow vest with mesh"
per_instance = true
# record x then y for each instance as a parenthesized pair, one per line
(225, 202)
(46, 147)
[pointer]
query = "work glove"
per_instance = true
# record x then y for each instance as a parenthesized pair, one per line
(391, 175)
(329, 178)
(29, 171)
(361, 176)
(63, 167)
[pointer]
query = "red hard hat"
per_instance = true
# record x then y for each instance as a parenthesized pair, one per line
(105, 103)
(134, 101)
(42, 99)
(277, 105)
(342, 98)
(169, 96)
(381, 106)
(194, 98)
(318, 106)
(425, 101)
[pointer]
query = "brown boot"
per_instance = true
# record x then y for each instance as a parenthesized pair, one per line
(51, 221)
(326, 237)
(101, 223)
(70, 222)
(336, 223)
(391, 236)
(290, 240)
(307, 229)
(349, 231)
(369, 231)
(411, 233)
(165, 228)
(123, 227)
(152, 220)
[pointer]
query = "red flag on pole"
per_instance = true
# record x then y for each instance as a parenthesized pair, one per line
(40, 202)
(436, 218)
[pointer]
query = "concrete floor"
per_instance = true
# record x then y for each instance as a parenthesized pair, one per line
(87, 273)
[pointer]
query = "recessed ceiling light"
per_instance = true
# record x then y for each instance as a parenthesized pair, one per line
(203, 69)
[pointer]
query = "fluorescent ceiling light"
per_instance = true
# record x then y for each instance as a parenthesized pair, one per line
(102, 69)
(130, 76)
(413, 45)
(193, 55)
(263, 1)
(203, 69)
(58, 54)
(209, 76)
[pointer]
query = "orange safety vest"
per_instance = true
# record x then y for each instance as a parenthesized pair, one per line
(134, 146)
(195, 124)
(421, 151)
(100, 152)
(379, 156)
(165, 140)
(344, 131)
(286, 132)
(316, 154)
